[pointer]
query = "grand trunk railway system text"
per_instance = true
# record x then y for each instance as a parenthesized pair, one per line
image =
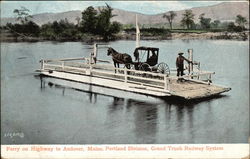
(115, 148)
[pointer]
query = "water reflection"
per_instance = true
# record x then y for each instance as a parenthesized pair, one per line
(146, 123)
(186, 41)
(92, 96)
(116, 104)
(144, 119)
(42, 82)
(144, 114)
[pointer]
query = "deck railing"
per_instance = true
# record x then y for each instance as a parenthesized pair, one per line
(108, 71)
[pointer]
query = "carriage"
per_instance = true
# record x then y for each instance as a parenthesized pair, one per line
(146, 59)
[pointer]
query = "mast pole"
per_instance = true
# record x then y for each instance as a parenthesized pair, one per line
(137, 33)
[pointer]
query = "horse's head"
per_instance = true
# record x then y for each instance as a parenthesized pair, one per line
(109, 51)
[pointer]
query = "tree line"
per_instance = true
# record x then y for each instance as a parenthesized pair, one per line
(93, 22)
(97, 22)
(187, 22)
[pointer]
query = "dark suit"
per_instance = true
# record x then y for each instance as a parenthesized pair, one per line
(180, 64)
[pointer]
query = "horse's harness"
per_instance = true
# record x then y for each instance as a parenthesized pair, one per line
(118, 60)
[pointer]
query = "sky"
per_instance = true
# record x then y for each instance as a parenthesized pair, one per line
(145, 7)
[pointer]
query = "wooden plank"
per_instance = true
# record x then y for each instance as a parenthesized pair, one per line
(146, 79)
(106, 83)
(129, 80)
(199, 81)
(193, 90)
(65, 59)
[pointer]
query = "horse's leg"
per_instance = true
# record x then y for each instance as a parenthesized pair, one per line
(128, 67)
(118, 66)
(115, 66)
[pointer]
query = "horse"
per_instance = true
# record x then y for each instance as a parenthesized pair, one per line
(120, 58)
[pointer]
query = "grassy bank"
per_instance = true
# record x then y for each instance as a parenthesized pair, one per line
(7, 36)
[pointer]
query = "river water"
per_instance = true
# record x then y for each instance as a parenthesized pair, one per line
(47, 111)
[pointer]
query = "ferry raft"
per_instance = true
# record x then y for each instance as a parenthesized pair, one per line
(195, 85)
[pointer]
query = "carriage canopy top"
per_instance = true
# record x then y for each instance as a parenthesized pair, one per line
(147, 48)
(151, 55)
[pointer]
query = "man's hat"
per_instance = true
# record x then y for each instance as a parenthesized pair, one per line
(180, 53)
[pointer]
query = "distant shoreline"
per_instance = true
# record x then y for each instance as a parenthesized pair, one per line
(172, 36)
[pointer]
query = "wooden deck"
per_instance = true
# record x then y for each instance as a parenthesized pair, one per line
(189, 89)
(148, 83)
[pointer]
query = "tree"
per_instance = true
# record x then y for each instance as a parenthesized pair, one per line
(27, 26)
(241, 21)
(89, 20)
(99, 23)
(205, 22)
(231, 26)
(215, 24)
(115, 27)
(68, 29)
(22, 15)
(60, 30)
(104, 26)
(188, 19)
(56, 28)
(48, 31)
(31, 28)
(170, 16)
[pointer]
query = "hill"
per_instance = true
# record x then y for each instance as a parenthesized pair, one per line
(225, 11)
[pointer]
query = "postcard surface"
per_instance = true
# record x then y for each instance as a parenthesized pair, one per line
(124, 79)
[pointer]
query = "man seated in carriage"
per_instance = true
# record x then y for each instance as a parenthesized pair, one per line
(152, 60)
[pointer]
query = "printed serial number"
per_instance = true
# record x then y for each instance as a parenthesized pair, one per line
(14, 134)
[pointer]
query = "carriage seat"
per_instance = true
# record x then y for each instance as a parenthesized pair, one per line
(152, 60)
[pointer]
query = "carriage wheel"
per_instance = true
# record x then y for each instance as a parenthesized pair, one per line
(132, 68)
(163, 68)
(145, 67)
